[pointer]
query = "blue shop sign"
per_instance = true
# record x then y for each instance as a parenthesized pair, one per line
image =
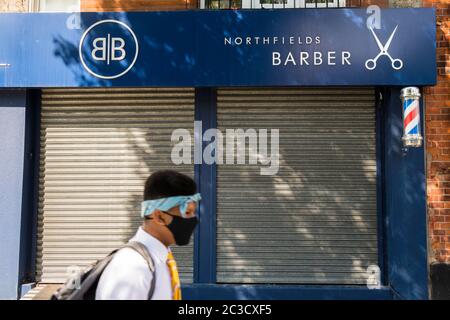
(205, 48)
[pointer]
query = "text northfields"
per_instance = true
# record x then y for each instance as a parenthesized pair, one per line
(300, 58)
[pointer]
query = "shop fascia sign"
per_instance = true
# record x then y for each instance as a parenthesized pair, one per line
(221, 48)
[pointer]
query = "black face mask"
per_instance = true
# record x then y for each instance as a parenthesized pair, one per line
(182, 228)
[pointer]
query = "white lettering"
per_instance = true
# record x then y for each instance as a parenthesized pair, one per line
(213, 152)
(331, 56)
(317, 58)
(290, 58)
(346, 57)
(97, 48)
(303, 58)
(276, 61)
(181, 151)
(115, 48)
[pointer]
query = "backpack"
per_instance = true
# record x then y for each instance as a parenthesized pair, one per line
(88, 278)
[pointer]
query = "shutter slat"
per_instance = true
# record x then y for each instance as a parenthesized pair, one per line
(98, 145)
(315, 221)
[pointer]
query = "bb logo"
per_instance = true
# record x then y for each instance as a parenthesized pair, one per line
(108, 49)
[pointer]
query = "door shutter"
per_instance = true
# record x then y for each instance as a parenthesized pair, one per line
(98, 146)
(315, 221)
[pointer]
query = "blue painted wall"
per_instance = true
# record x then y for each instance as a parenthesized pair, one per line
(283, 292)
(12, 139)
(405, 191)
(205, 235)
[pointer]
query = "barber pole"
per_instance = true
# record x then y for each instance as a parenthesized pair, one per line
(411, 117)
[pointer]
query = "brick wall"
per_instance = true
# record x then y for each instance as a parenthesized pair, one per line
(13, 5)
(136, 5)
(437, 114)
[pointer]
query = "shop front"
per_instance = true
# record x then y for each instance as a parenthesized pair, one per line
(331, 204)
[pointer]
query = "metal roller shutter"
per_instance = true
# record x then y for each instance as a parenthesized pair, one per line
(314, 222)
(97, 148)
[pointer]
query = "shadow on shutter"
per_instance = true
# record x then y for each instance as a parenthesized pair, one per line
(97, 148)
(315, 221)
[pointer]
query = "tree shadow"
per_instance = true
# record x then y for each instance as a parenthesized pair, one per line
(145, 141)
(315, 222)
(270, 233)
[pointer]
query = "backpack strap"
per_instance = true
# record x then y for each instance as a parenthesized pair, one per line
(142, 250)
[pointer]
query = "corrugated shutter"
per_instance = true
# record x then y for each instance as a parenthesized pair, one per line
(97, 148)
(315, 221)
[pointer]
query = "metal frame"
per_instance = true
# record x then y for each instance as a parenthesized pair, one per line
(34, 5)
(205, 175)
(287, 4)
(284, 292)
(205, 237)
(379, 131)
(405, 205)
(30, 198)
(392, 255)
(402, 245)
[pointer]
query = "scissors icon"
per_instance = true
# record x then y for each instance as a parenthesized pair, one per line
(372, 63)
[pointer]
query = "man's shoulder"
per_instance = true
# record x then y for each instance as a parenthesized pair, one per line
(127, 276)
(129, 256)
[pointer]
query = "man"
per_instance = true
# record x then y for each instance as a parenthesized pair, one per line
(168, 210)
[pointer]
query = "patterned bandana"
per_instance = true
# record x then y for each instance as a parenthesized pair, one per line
(164, 204)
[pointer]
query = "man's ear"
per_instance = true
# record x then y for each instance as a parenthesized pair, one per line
(158, 217)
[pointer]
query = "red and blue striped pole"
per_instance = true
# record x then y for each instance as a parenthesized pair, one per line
(411, 117)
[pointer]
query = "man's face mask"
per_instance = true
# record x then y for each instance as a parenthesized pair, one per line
(181, 227)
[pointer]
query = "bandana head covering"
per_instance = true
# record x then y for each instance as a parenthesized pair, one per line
(164, 204)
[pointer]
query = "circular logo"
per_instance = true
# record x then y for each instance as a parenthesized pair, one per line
(108, 49)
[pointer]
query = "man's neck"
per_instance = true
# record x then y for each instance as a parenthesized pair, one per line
(154, 234)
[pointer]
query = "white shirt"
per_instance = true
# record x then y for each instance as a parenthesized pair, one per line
(127, 276)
